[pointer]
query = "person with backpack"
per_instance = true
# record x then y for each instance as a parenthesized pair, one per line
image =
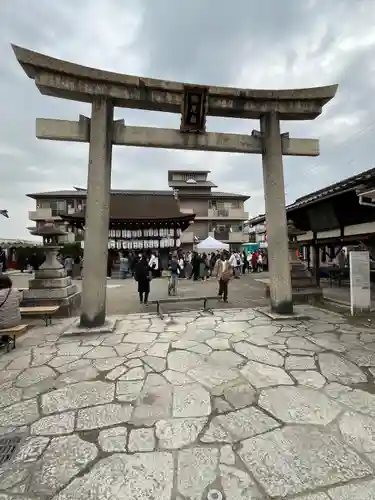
(224, 273)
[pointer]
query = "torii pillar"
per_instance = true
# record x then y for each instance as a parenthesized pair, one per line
(277, 231)
(94, 282)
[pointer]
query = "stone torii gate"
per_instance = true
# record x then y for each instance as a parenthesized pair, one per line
(105, 90)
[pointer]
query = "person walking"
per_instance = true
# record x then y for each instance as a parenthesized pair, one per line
(224, 273)
(142, 275)
(254, 261)
(124, 266)
(181, 263)
(213, 259)
(154, 265)
(76, 267)
(203, 267)
(175, 270)
(196, 262)
(245, 263)
(188, 266)
(249, 262)
(260, 263)
(235, 262)
(68, 264)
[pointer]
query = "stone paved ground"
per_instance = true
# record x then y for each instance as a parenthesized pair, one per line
(249, 291)
(224, 406)
(122, 295)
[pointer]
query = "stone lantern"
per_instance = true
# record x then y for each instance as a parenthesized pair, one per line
(304, 288)
(50, 234)
(51, 285)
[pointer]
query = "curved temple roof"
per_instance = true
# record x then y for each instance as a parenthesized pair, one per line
(72, 81)
(139, 208)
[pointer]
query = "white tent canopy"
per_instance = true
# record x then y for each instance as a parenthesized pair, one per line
(210, 244)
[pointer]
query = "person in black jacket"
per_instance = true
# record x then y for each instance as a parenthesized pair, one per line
(142, 274)
(196, 262)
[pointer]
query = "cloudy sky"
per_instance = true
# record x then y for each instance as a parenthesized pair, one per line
(243, 43)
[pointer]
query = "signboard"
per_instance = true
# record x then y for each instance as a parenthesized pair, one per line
(360, 290)
(194, 109)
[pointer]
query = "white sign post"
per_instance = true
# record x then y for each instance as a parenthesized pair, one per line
(360, 290)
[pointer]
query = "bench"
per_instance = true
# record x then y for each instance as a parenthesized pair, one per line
(8, 336)
(175, 300)
(46, 312)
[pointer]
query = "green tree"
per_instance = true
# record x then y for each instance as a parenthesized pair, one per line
(71, 249)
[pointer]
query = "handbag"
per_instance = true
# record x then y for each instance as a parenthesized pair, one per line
(226, 273)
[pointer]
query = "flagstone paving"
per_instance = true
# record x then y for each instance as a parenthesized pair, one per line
(196, 406)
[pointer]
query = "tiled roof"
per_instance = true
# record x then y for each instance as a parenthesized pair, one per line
(138, 206)
(189, 171)
(348, 184)
(188, 184)
(218, 194)
(82, 193)
(51, 194)
(337, 188)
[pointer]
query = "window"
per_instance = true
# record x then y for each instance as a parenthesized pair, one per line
(70, 207)
(213, 226)
(186, 177)
(222, 209)
(222, 227)
(80, 205)
(43, 204)
(58, 207)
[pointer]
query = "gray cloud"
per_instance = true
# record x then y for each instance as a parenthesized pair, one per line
(268, 44)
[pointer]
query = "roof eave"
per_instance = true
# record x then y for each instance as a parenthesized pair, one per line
(230, 195)
(81, 217)
(189, 171)
(73, 194)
